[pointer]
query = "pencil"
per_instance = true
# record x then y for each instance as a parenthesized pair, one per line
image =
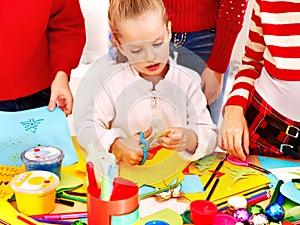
(23, 219)
(258, 199)
(4, 222)
(212, 189)
(215, 172)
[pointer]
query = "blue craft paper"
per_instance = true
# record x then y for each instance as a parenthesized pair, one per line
(273, 163)
(145, 189)
(26, 129)
(191, 184)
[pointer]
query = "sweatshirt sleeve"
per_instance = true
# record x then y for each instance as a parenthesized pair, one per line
(252, 63)
(66, 35)
(229, 24)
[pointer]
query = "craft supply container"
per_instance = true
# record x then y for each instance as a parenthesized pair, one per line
(122, 208)
(35, 191)
(203, 212)
(46, 158)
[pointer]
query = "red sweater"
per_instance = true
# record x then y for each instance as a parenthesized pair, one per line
(273, 43)
(226, 16)
(38, 38)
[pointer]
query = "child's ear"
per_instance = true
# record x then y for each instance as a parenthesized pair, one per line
(169, 29)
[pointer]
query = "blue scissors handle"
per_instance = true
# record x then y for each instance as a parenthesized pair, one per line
(144, 146)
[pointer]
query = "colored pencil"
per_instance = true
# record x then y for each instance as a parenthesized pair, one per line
(4, 222)
(23, 219)
(212, 189)
(258, 199)
(54, 221)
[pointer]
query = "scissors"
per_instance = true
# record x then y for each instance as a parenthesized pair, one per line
(239, 162)
(144, 145)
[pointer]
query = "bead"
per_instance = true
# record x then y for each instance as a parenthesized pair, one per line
(242, 215)
(258, 219)
(274, 212)
(255, 209)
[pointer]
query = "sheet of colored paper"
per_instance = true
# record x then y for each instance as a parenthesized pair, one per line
(9, 214)
(30, 128)
(165, 166)
(191, 184)
(234, 180)
(150, 206)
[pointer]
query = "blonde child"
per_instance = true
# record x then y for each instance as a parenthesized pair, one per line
(145, 92)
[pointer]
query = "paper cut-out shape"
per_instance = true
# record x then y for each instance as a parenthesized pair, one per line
(237, 174)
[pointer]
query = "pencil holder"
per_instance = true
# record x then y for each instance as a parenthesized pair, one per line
(122, 208)
(43, 158)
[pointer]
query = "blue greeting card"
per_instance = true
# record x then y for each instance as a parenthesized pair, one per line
(26, 129)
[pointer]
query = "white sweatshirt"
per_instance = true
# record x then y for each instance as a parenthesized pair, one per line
(124, 103)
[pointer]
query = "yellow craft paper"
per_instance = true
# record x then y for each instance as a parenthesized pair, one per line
(9, 214)
(6, 174)
(166, 215)
(165, 166)
(225, 187)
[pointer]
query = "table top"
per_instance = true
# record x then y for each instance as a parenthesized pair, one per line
(82, 207)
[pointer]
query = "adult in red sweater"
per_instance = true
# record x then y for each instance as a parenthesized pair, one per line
(40, 43)
(205, 31)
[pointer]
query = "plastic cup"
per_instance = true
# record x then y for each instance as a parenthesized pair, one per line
(43, 158)
(203, 212)
(35, 191)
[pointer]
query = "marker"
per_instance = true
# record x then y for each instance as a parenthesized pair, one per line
(276, 194)
(54, 221)
(91, 174)
(61, 216)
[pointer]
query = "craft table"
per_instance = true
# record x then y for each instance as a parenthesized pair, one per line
(80, 207)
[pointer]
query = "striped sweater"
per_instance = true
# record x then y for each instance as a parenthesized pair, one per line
(273, 43)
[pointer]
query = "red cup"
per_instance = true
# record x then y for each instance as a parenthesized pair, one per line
(203, 212)
(124, 202)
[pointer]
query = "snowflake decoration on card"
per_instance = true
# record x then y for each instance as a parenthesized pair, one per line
(31, 125)
(237, 174)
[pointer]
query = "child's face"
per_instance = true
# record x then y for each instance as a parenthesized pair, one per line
(145, 42)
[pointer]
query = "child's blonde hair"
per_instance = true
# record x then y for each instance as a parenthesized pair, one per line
(120, 10)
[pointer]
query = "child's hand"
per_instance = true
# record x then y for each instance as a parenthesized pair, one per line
(127, 150)
(180, 139)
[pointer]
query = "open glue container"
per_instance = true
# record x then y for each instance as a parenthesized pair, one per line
(46, 158)
(35, 191)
